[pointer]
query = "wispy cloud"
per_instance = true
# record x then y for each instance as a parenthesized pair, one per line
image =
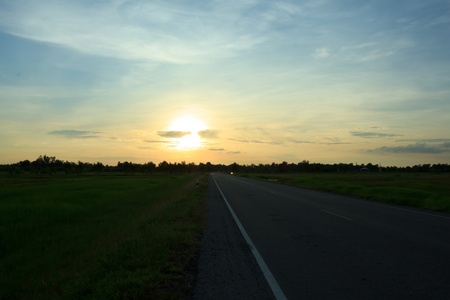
(289, 9)
(441, 20)
(336, 143)
(216, 149)
(208, 134)
(140, 30)
(425, 140)
(76, 134)
(375, 55)
(234, 152)
(413, 148)
(371, 135)
(256, 141)
(157, 141)
(173, 134)
(321, 53)
(302, 142)
(239, 140)
(377, 49)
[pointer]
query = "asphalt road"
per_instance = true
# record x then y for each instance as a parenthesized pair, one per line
(226, 267)
(324, 246)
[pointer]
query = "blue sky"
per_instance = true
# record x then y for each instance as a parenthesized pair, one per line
(254, 81)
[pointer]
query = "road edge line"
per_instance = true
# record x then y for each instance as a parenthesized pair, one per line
(276, 290)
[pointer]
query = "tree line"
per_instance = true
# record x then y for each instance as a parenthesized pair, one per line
(49, 164)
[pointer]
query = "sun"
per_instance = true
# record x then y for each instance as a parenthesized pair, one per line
(190, 126)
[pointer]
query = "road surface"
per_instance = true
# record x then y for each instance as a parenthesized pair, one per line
(324, 246)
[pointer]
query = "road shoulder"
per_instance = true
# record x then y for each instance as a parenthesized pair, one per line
(226, 267)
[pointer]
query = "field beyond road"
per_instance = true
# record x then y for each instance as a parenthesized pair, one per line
(423, 190)
(99, 236)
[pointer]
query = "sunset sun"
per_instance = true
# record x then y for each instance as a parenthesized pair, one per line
(189, 127)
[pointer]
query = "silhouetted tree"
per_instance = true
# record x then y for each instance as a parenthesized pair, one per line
(164, 167)
(98, 167)
(49, 164)
(25, 165)
(148, 167)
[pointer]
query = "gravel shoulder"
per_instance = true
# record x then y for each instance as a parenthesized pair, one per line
(226, 267)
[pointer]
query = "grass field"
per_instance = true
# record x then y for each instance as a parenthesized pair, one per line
(99, 236)
(423, 190)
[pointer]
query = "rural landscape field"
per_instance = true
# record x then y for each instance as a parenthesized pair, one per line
(117, 235)
(422, 190)
(88, 236)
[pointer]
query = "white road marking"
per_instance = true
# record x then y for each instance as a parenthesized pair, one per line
(278, 293)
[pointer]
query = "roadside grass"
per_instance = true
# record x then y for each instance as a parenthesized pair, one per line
(424, 190)
(99, 237)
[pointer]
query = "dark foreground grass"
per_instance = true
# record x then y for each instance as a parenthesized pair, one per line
(423, 190)
(99, 237)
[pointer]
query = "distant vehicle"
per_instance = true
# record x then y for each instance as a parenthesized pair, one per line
(231, 173)
(364, 170)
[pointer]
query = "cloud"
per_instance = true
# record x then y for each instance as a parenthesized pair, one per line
(289, 9)
(76, 134)
(412, 148)
(336, 143)
(333, 141)
(272, 143)
(302, 142)
(255, 142)
(208, 134)
(365, 52)
(370, 135)
(141, 30)
(441, 20)
(321, 53)
(234, 152)
(173, 134)
(374, 55)
(238, 140)
(216, 149)
(409, 99)
(157, 141)
(425, 140)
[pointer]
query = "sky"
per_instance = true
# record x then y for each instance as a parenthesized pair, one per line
(244, 81)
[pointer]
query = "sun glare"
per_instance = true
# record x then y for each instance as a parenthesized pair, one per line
(188, 124)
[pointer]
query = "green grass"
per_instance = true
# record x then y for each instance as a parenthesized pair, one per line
(99, 237)
(423, 190)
